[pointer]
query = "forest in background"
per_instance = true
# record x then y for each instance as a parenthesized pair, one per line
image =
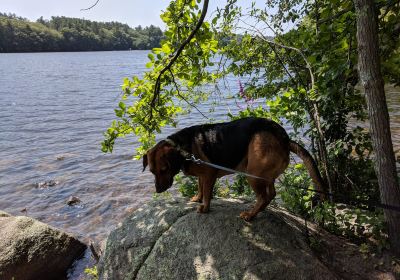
(18, 34)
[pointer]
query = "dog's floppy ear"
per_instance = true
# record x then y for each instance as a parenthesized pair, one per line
(144, 162)
(175, 160)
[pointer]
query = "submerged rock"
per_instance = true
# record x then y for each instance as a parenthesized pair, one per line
(169, 240)
(47, 184)
(72, 200)
(30, 249)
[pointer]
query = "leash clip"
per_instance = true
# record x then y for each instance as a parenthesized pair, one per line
(194, 159)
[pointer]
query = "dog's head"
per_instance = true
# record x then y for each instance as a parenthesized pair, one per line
(164, 162)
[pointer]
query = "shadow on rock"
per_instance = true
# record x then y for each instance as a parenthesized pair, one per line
(167, 239)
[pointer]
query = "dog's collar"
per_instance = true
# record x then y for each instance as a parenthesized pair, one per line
(184, 153)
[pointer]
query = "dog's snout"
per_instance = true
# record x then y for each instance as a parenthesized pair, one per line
(159, 190)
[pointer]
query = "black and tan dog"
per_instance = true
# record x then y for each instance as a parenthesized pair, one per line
(256, 146)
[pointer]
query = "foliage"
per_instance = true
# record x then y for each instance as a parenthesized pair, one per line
(323, 39)
(187, 185)
(239, 187)
(389, 32)
(92, 272)
(294, 196)
(224, 187)
(295, 96)
(307, 77)
(352, 222)
(72, 34)
(176, 86)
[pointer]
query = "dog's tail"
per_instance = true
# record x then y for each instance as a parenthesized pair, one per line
(312, 167)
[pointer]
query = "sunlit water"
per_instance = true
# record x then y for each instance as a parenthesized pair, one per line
(54, 108)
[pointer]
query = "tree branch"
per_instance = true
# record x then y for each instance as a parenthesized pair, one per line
(91, 6)
(335, 16)
(182, 97)
(269, 41)
(175, 57)
(290, 58)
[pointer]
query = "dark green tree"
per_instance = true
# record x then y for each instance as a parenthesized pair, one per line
(73, 34)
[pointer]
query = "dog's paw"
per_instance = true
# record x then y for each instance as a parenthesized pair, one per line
(202, 209)
(246, 215)
(195, 198)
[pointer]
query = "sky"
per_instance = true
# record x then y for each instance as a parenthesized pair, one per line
(132, 12)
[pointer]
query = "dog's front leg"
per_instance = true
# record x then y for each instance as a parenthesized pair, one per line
(199, 196)
(207, 185)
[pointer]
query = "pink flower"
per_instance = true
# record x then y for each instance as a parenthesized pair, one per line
(243, 95)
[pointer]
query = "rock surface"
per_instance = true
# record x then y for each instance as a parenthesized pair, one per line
(30, 249)
(167, 239)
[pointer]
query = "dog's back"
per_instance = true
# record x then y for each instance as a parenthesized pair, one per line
(227, 143)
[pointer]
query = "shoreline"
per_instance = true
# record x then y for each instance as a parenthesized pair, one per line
(82, 51)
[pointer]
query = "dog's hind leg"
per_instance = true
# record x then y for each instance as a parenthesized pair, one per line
(267, 158)
(265, 192)
(199, 196)
(207, 184)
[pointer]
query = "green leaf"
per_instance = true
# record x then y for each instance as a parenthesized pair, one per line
(166, 48)
(149, 64)
(122, 105)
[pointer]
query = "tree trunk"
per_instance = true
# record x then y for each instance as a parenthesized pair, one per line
(372, 81)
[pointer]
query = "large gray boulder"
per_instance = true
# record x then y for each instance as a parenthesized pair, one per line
(167, 239)
(30, 249)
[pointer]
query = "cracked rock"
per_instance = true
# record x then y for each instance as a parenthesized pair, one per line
(167, 239)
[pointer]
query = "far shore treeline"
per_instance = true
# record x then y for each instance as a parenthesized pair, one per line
(18, 34)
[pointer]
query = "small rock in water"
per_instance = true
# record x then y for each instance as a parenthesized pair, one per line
(73, 200)
(60, 157)
(46, 184)
(24, 210)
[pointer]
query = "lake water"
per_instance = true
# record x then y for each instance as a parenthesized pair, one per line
(54, 108)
